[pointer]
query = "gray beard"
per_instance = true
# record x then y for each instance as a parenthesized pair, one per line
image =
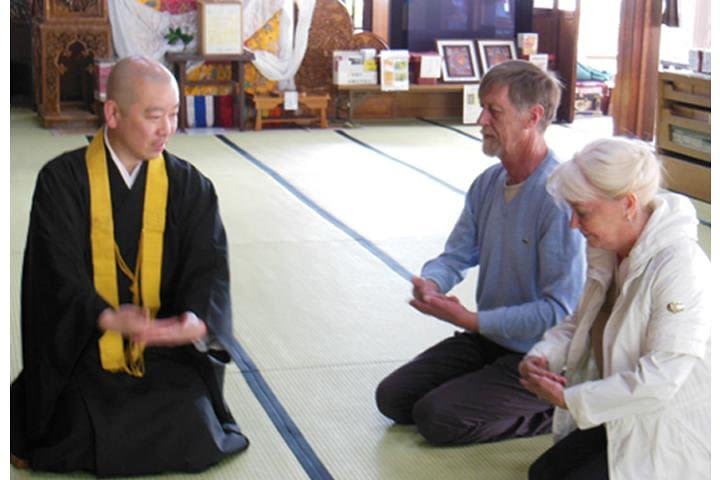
(491, 148)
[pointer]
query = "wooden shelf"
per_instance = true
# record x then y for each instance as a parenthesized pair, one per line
(682, 136)
(236, 82)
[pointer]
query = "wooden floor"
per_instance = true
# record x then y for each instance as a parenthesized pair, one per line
(325, 227)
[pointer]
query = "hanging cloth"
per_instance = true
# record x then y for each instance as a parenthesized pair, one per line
(115, 356)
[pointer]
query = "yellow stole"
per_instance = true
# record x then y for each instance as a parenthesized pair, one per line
(114, 355)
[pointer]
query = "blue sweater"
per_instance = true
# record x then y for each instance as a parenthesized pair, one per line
(532, 265)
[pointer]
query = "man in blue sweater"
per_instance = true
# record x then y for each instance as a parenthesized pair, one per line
(531, 264)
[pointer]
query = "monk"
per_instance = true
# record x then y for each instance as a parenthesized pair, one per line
(126, 314)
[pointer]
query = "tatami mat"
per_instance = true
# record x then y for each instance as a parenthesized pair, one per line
(324, 228)
(357, 442)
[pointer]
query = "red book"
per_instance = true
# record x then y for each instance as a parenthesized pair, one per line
(224, 111)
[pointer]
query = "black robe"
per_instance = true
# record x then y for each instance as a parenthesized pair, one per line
(67, 413)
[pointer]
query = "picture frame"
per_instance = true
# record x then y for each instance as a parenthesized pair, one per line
(459, 62)
(493, 51)
(220, 27)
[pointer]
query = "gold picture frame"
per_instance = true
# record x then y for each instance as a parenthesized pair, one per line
(220, 27)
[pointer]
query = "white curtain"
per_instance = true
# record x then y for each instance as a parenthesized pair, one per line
(286, 63)
(139, 29)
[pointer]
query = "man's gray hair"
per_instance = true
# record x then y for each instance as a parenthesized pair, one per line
(528, 85)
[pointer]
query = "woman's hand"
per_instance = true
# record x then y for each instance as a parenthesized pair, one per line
(546, 385)
(546, 389)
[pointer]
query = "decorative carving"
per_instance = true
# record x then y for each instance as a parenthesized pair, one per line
(59, 42)
(331, 29)
(63, 54)
(20, 11)
(79, 5)
(73, 9)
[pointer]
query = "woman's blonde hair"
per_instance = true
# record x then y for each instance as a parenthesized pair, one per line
(606, 169)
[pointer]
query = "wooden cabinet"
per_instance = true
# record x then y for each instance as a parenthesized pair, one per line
(66, 37)
(682, 133)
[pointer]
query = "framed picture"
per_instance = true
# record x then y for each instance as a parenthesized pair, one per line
(493, 52)
(459, 63)
(220, 27)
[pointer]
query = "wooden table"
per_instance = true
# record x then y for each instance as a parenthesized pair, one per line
(310, 102)
(236, 82)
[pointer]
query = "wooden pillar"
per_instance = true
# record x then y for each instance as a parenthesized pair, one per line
(635, 94)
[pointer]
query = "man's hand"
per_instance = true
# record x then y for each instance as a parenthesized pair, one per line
(423, 288)
(129, 320)
(428, 300)
(173, 331)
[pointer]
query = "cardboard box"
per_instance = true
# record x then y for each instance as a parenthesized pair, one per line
(355, 67)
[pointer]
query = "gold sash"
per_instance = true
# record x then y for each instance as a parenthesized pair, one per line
(114, 356)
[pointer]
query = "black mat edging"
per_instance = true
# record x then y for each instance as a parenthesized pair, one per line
(282, 421)
(364, 242)
(397, 160)
(451, 128)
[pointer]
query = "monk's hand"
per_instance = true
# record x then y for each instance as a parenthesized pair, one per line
(130, 320)
(545, 388)
(173, 331)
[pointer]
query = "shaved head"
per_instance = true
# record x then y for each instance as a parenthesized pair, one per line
(141, 110)
(129, 74)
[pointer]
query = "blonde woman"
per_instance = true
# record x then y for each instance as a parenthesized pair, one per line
(629, 371)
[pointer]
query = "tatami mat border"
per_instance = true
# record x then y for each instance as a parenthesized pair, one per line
(451, 128)
(397, 160)
(364, 242)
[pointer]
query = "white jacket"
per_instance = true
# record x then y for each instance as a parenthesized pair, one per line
(654, 397)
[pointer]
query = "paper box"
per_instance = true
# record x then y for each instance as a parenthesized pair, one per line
(695, 59)
(527, 44)
(394, 70)
(705, 65)
(425, 67)
(355, 67)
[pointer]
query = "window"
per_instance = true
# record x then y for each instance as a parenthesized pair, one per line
(356, 9)
(598, 34)
(693, 32)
